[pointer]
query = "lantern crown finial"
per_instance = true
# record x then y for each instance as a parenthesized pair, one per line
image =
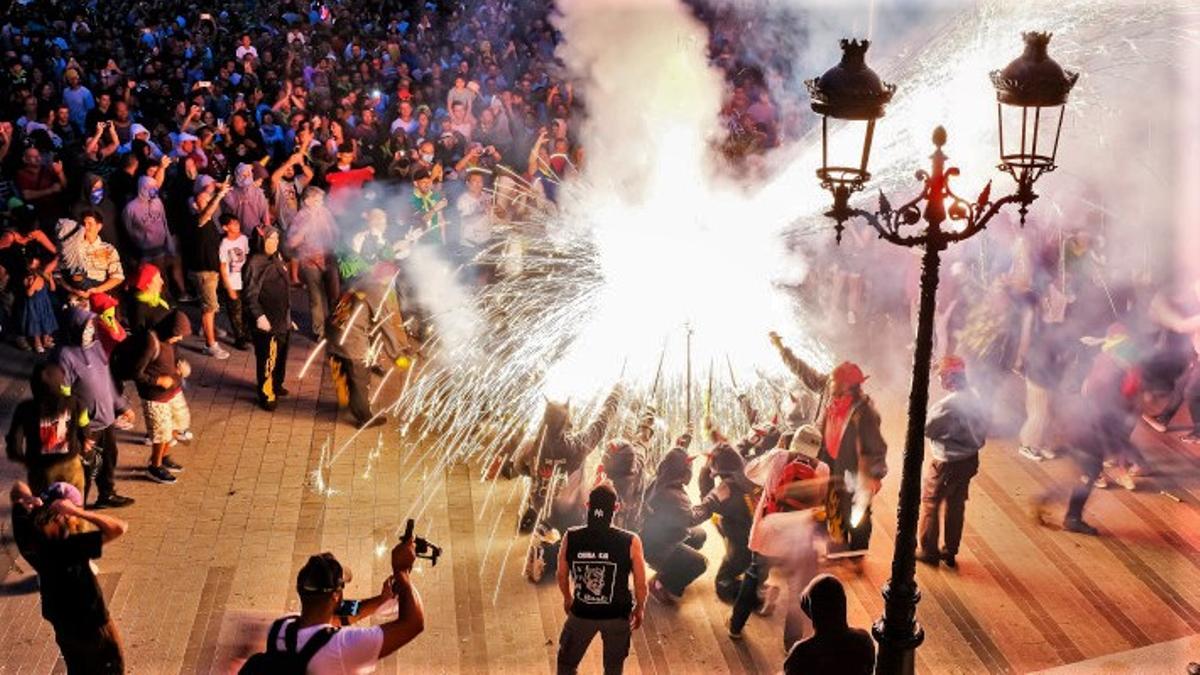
(1034, 79)
(851, 90)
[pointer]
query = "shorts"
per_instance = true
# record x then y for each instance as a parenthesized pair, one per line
(207, 283)
(165, 419)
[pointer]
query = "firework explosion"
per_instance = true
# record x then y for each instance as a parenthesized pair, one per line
(648, 253)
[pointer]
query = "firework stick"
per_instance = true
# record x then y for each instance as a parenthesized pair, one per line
(658, 373)
(733, 378)
(688, 374)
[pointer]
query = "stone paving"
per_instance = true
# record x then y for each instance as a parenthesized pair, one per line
(210, 560)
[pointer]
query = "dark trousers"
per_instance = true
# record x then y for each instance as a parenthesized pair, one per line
(101, 467)
(237, 320)
(324, 288)
(681, 564)
(946, 486)
(733, 566)
(91, 652)
(578, 633)
(1090, 465)
(355, 376)
(270, 363)
(747, 599)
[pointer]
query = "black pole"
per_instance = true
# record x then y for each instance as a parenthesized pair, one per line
(897, 631)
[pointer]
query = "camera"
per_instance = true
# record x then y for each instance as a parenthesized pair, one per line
(424, 549)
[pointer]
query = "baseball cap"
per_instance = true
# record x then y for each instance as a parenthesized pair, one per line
(321, 574)
(602, 503)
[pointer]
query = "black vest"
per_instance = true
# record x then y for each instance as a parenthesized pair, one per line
(599, 563)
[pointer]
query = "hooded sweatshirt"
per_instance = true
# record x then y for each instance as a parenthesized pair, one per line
(88, 373)
(313, 231)
(669, 510)
(246, 200)
(111, 232)
(266, 289)
(834, 648)
(146, 222)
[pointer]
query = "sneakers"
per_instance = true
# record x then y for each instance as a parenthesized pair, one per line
(112, 500)
(1125, 480)
(216, 352)
(769, 600)
(1079, 527)
(660, 593)
(927, 558)
(186, 436)
(1100, 482)
(377, 422)
(1154, 423)
(159, 474)
(733, 634)
(282, 391)
(1030, 453)
(171, 465)
(949, 559)
(241, 345)
(1048, 453)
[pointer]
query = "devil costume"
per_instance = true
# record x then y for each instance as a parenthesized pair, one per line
(853, 447)
(554, 459)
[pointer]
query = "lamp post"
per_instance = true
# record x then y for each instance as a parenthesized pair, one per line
(1028, 92)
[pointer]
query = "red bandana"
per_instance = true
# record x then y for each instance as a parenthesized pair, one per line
(836, 416)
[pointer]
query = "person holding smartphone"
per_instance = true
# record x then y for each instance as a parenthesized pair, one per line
(323, 633)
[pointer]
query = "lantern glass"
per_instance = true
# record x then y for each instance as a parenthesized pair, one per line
(845, 151)
(1029, 136)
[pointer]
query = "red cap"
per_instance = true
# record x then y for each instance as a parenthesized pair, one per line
(145, 275)
(101, 302)
(848, 374)
(951, 364)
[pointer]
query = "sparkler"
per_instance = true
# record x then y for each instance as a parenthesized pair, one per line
(618, 265)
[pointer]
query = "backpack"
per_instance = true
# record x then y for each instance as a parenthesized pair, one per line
(288, 661)
(126, 353)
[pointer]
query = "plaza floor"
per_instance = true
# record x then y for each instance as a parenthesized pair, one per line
(209, 561)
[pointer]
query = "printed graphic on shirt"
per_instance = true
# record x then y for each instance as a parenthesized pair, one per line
(594, 581)
(53, 434)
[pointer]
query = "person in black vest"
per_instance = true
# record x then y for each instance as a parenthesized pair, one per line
(597, 560)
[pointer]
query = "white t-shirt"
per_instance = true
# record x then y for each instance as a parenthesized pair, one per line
(351, 651)
(242, 51)
(233, 254)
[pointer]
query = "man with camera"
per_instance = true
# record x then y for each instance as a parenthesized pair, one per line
(316, 641)
(595, 562)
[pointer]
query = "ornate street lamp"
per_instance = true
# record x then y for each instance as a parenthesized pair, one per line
(1030, 88)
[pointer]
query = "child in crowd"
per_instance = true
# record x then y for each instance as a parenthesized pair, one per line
(233, 253)
(37, 315)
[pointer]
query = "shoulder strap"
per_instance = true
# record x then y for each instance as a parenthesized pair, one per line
(273, 634)
(315, 643)
(290, 636)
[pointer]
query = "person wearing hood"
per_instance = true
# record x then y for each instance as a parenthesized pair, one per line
(49, 431)
(362, 316)
(730, 504)
(266, 298)
(94, 196)
(851, 444)
(671, 534)
(158, 373)
(146, 224)
(794, 482)
(834, 648)
(89, 265)
(246, 200)
(311, 239)
(624, 463)
(85, 365)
